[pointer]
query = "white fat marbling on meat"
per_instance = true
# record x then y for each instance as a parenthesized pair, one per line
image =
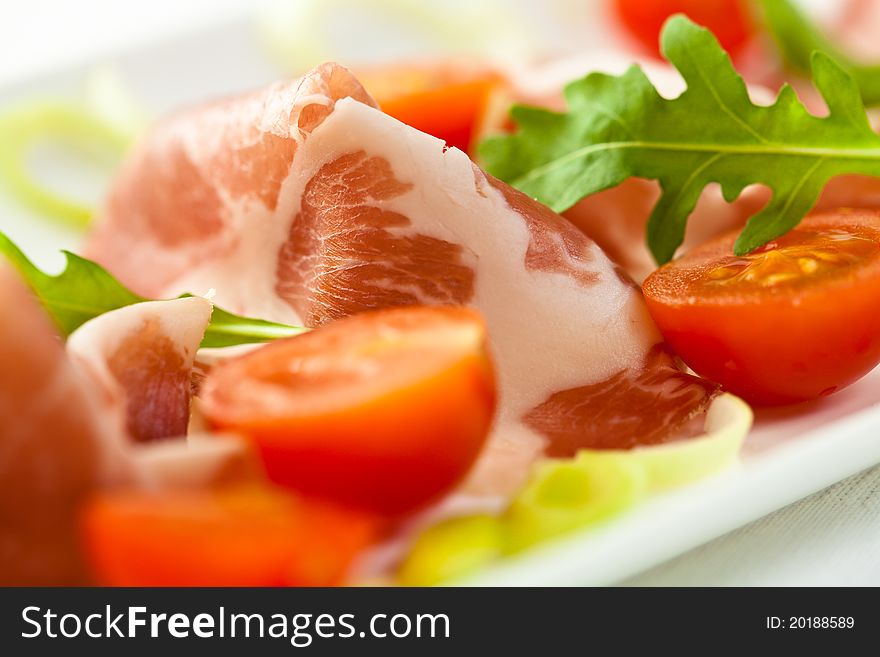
(59, 443)
(195, 462)
(548, 331)
(244, 277)
(183, 321)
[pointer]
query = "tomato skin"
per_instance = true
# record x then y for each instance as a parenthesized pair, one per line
(440, 100)
(729, 20)
(389, 453)
(397, 455)
(252, 536)
(775, 348)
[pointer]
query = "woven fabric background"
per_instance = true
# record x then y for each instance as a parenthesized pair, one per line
(831, 538)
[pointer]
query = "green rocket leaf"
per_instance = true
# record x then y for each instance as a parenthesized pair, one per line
(797, 39)
(85, 290)
(617, 127)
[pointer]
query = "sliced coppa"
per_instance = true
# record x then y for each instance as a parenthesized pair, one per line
(566, 325)
(141, 359)
(616, 218)
(142, 356)
(202, 177)
(199, 461)
(387, 217)
(59, 441)
(374, 214)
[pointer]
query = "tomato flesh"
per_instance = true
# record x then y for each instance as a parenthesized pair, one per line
(794, 320)
(383, 411)
(729, 20)
(443, 101)
(233, 537)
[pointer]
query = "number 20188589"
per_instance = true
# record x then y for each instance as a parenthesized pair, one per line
(810, 622)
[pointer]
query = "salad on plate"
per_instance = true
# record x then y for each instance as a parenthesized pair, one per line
(391, 325)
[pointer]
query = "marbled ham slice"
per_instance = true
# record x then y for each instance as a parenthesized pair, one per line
(142, 355)
(634, 407)
(346, 252)
(616, 218)
(375, 214)
(59, 441)
(199, 461)
(568, 328)
(141, 358)
(199, 180)
(850, 192)
(69, 424)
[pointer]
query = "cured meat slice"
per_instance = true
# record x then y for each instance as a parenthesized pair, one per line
(568, 327)
(374, 213)
(850, 192)
(142, 355)
(616, 219)
(201, 179)
(198, 461)
(59, 441)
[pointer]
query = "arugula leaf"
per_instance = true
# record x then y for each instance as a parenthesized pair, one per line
(82, 291)
(797, 39)
(618, 127)
(85, 290)
(227, 329)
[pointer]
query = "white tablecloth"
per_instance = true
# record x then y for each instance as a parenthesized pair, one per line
(832, 537)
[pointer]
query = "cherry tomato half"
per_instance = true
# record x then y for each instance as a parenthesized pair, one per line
(794, 320)
(445, 100)
(384, 411)
(253, 536)
(729, 20)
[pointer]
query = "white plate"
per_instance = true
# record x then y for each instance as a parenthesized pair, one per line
(790, 453)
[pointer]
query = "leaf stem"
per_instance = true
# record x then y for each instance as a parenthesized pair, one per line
(780, 150)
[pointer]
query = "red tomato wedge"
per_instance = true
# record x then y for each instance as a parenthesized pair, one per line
(796, 319)
(232, 537)
(444, 101)
(384, 411)
(729, 20)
